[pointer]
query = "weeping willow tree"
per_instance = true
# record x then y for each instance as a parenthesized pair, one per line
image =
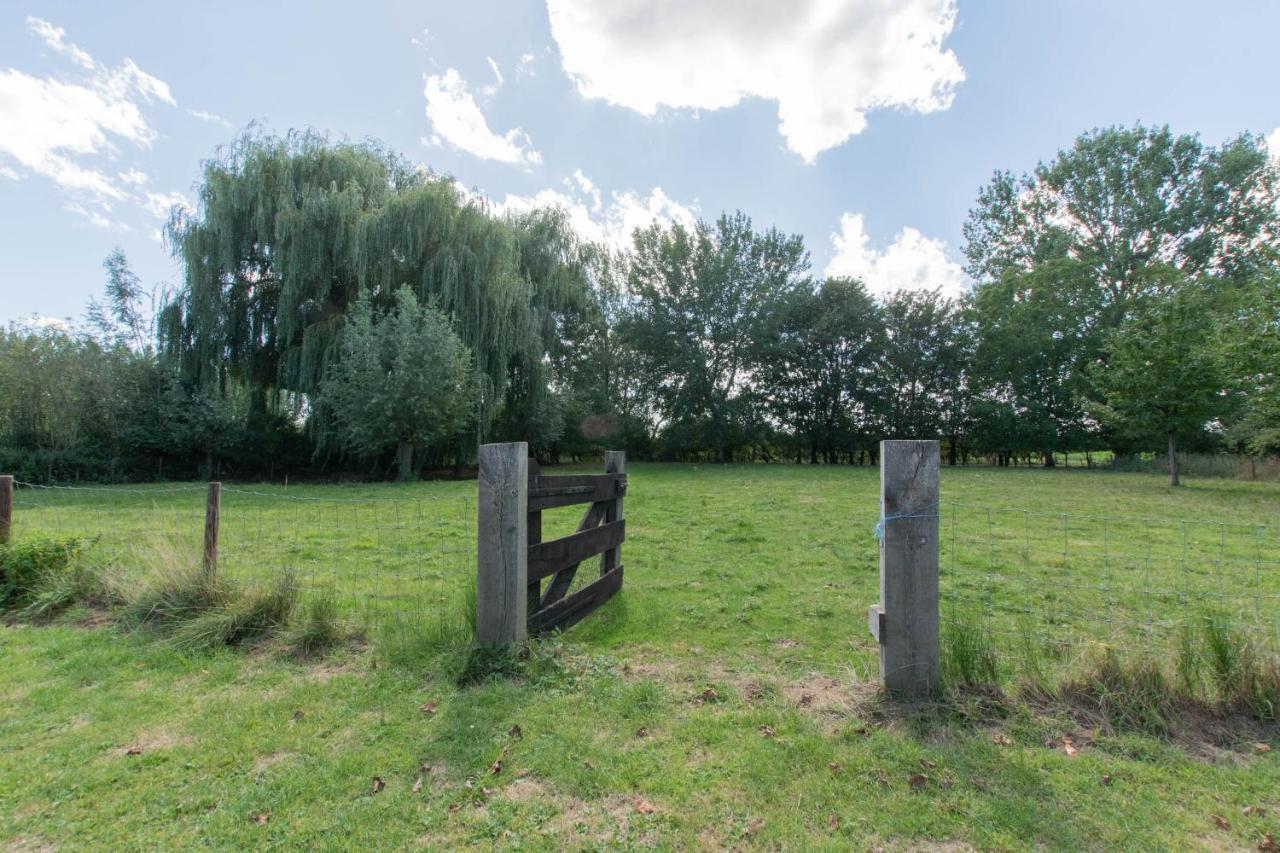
(289, 232)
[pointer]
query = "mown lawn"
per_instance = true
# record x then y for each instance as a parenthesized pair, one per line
(721, 700)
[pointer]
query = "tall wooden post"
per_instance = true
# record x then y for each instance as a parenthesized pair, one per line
(502, 545)
(906, 620)
(212, 517)
(6, 508)
(615, 462)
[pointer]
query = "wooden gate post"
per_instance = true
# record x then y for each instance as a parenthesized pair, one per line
(615, 462)
(502, 546)
(212, 520)
(6, 508)
(905, 622)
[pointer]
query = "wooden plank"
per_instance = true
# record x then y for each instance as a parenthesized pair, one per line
(908, 624)
(563, 579)
(534, 594)
(571, 610)
(553, 492)
(502, 545)
(212, 518)
(547, 558)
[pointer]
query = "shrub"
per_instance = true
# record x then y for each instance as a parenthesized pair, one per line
(44, 576)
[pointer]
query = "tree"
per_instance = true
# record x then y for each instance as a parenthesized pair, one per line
(706, 300)
(401, 379)
(1161, 376)
(1034, 339)
(1123, 199)
(922, 367)
(819, 376)
(289, 233)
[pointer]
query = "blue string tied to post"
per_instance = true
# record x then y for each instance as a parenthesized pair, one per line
(930, 511)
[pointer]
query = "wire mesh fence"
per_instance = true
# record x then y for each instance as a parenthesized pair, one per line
(384, 555)
(1060, 581)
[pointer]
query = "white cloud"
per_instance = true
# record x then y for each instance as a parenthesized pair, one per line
(911, 262)
(1273, 143)
(212, 118)
(593, 220)
(525, 67)
(53, 37)
(497, 77)
(826, 63)
(160, 204)
(58, 128)
(455, 117)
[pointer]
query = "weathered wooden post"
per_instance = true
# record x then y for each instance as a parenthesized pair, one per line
(212, 517)
(905, 622)
(6, 508)
(615, 462)
(502, 546)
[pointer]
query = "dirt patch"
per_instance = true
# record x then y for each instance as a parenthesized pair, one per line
(149, 742)
(786, 643)
(29, 844)
(323, 673)
(528, 789)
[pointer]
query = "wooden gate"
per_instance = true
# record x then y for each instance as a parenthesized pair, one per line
(601, 532)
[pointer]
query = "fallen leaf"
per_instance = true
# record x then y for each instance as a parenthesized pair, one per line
(1070, 750)
(587, 764)
(297, 716)
(1220, 821)
(378, 784)
(417, 786)
(710, 695)
(753, 826)
(767, 731)
(133, 750)
(429, 708)
(1267, 844)
(883, 778)
(917, 781)
(261, 819)
(1253, 811)
(642, 732)
(644, 807)
(979, 783)
(927, 764)
(515, 732)
(1001, 739)
(833, 767)
(833, 822)
(496, 767)
(860, 730)
(1261, 748)
(1105, 780)
(806, 699)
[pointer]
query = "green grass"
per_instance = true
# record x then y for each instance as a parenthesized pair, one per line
(720, 700)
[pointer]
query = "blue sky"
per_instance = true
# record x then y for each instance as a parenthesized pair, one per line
(867, 126)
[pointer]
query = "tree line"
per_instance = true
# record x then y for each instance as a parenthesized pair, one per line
(344, 310)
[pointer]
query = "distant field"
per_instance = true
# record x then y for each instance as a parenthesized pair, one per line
(751, 580)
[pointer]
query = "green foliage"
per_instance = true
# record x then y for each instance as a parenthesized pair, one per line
(1134, 696)
(319, 627)
(32, 572)
(969, 657)
(403, 379)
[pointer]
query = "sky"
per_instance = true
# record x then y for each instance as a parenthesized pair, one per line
(867, 126)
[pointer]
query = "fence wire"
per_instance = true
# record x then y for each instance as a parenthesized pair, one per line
(384, 555)
(1060, 581)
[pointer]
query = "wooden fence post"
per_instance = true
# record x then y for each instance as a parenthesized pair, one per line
(905, 622)
(502, 545)
(212, 517)
(6, 508)
(615, 462)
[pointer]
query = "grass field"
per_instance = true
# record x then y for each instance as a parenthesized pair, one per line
(721, 700)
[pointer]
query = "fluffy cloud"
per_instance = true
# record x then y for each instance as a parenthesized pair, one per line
(1273, 143)
(57, 128)
(593, 219)
(911, 262)
(826, 63)
(456, 119)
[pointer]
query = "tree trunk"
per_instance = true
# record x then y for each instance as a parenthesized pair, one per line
(1173, 460)
(404, 461)
(1050, 460)
(951, 452)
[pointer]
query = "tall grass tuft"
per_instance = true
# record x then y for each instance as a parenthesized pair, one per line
(1134, 696)
(244, 616)
(968, 656)
(440, 641)
(39, 579)
(318, 629)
